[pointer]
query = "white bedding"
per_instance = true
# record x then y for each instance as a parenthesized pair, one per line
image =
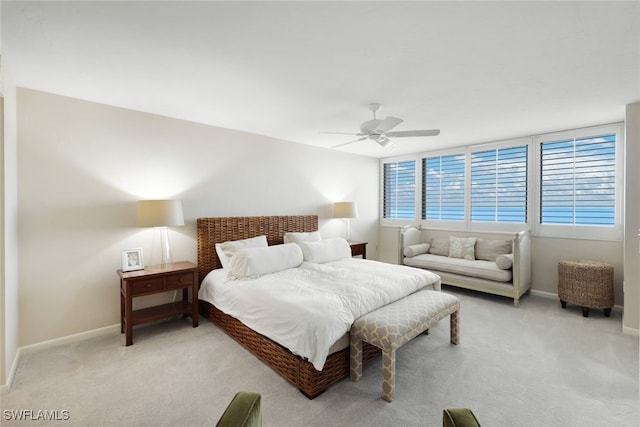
(307, 309)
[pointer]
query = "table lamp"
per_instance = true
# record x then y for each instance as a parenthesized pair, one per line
(346, 210)
(161, 214)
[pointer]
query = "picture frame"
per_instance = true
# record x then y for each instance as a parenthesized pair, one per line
(132, 259)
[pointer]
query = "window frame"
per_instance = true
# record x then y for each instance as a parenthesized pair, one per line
(437, 223)
(613, 232)
(398, 222)
(479, 226)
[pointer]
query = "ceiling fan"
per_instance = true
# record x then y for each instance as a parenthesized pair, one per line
(378, 130)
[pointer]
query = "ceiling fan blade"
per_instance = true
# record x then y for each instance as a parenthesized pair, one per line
(342, 133)
(387, 124)
(406, 133)
(350, 142)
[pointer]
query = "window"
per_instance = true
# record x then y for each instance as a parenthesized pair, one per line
(499, 185)
(443, 188)
(578, 181)
(565, 184)
(399, 189)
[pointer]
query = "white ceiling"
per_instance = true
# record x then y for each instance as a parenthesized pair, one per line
(479, 71)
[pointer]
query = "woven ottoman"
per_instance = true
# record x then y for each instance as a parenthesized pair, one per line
(588, 284)
(394, 325)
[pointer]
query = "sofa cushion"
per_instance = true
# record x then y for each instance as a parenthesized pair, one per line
(490, 249)
(439, 246)
(478, 268)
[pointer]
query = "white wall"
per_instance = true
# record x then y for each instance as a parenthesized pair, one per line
(3, 368)
(9, 227)
(632, 218)
(82, 166)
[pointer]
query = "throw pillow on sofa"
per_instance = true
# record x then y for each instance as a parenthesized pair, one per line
(489, 249)
(462, 247)
(504, 262)
(439, 246)
(419, 249)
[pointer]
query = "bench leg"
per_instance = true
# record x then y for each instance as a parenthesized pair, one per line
(388, 374)
(455, 327)
(355, 359)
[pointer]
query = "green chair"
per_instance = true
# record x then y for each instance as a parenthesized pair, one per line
(459, 417)
(243, 411)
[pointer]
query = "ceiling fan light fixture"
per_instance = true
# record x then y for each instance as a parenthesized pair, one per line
(384, 142)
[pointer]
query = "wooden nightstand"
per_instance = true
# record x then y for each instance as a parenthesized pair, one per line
(152, 280)
(358, 248)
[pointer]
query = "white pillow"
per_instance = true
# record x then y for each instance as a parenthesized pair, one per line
(325, 250)
(226, 250)
(257, 261)
(419, 249)
(504, 262)
(462, 247)
(294, 237)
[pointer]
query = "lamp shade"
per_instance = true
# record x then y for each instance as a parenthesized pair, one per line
(345, 210)
(160, 213)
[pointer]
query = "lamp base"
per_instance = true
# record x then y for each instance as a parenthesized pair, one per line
(165, 245)
(348, 227)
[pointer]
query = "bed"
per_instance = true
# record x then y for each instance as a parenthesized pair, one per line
(295, 369)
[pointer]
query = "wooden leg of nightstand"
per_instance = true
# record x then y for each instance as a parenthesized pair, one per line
(194, 304)
(128, 315)
(121, 313)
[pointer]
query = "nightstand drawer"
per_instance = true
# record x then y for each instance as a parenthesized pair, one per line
(145, 286)
(179, 280)
(359, 248)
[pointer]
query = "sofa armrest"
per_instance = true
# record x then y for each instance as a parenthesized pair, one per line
(459, 417)
(409, 235)
(522, 262)
(243, 411)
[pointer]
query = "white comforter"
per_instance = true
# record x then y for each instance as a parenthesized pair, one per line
(307, 309)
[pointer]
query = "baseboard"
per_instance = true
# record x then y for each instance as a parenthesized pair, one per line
(625, 329)
(5, 388)
(551, 295)
(70, 339)
(11, 374)
(543, 294)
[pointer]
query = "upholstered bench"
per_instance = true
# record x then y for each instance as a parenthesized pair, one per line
(394, 325)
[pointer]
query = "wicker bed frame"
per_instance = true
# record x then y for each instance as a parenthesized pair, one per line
(293, 368)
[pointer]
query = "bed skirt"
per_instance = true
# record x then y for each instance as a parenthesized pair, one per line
(293, 368)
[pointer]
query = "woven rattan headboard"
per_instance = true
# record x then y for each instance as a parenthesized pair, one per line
(222, 229)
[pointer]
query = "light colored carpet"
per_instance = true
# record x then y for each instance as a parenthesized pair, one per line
(536, 365)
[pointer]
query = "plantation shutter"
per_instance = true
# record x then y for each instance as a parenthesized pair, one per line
(443, 188)
(578, 181)
(499, 185)
(399, 200)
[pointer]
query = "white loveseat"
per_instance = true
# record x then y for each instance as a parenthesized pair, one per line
(496, 263)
